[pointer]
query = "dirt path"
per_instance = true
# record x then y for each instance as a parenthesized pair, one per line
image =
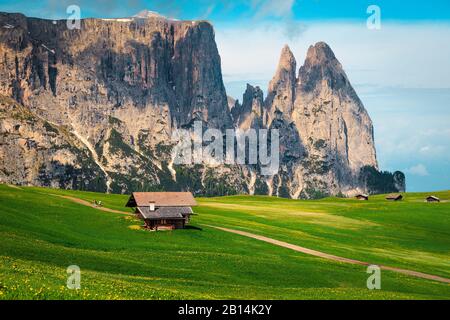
(330, 256)
(89, 204)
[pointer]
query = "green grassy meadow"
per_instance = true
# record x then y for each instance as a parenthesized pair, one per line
(42, 234)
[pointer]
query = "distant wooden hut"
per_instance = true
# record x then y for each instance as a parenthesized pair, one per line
(163, 210)
(433, 199)
(362, 197)
(394, 197)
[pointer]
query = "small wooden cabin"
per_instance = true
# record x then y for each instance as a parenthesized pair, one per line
(362, 197)
(433, 199)
(394, 197)
(163, 210)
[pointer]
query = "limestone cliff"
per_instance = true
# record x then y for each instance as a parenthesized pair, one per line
(281, 92)
(326, 135)
(333, 123)
(119, 85)
(95, 109)
(37, 152)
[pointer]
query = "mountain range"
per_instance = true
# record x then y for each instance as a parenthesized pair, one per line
(95, 109)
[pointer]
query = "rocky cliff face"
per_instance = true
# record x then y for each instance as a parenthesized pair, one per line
(282, 88)
(326, 136)
(37, 152)
(98, 107)
(333, 124)
(251, 113)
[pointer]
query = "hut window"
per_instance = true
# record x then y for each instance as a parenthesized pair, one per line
(152, 206)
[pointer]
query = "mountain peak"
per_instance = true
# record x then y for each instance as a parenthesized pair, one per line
(320, 53)
(286, 50)
(147, 14)
(281, 92)
(322, 65)
(287, 59)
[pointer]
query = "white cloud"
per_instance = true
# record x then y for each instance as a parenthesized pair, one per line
(273, 8)
(418, 170)
(208, 11)
(433, 150)
(392, 56)
(425, 149)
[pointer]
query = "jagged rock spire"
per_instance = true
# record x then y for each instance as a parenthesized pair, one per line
(321, 65)
(332, 120)
(250, 113)
(281, 92)
(320, 53)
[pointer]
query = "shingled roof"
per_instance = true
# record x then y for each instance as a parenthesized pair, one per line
(165, 212)
(161, 199)
(433, 198)
(394, 196)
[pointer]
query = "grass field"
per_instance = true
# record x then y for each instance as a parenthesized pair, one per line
(42, 234)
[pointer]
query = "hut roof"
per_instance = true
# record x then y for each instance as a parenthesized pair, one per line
(363, 195)
(394, 196)
(164, 212)
(161, 199)
(433, 198)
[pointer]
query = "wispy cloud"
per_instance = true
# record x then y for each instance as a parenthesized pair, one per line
(418, 170)
(283, 11)
(208, 11)
(403, 85)
(434, 151)
(273, 8)
(390, 57)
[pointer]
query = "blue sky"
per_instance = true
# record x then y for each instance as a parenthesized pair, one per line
(222, 10)
(401, 72)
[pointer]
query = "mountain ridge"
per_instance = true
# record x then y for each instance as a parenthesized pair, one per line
(124, 88)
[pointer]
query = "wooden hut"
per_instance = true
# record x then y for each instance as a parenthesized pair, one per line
(433, 199)
(362, 197)
(163, 210)
(394, 197)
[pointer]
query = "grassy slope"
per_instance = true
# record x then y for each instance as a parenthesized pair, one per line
(42, 235)
(409, 234)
